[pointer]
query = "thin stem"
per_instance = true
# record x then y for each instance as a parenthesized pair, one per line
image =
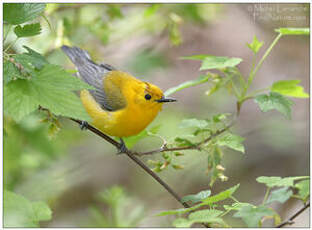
(138, 162)
(266, 195)
(290, 220)
(267, 52)
(192, 147)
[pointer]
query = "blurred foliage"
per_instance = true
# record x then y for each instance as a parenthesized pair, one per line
(122, 210)
(38, 91)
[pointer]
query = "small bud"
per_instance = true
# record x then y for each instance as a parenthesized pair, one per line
(220, 167)
(164, 165)
(177, 154)
(178, 166)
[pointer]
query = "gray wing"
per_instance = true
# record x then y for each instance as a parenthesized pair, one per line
(90, 72)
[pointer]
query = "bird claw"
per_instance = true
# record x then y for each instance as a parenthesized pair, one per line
(84, 125)
(122, 148)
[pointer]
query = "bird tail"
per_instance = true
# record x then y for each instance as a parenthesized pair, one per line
(78, 56)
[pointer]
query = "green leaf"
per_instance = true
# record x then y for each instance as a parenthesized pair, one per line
(274, 101)
(274, 181)
(183, 141)
(293, 31)
(18, 13)
(280, 195)
(18, 99)
(193, 123)
(196, 197)
(304, 189)
(221, 196)
(202, 216)
(31, 60)
(253, 215)
(50, 88)
(255, 45)
(27, 30)
(236, 206)
(289, 88)
(200, 80)
(214, 62)
(42, 211)
(20, 212)
(10, 72)
(131, 141)
(232, 141)
(205, 215)
(182, 223)
(200, 57)
(54, 77)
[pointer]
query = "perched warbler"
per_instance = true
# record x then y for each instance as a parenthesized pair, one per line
(120, 105)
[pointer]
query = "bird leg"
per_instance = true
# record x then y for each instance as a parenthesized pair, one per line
(122, 148)
(84, 125)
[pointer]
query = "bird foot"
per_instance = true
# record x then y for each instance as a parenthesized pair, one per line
(84, 125)
(122, 148)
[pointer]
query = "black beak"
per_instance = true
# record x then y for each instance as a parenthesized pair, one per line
(163, 99)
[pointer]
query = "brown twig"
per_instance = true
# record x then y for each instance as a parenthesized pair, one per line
(290, 220)
(164, 148)
(138, 162)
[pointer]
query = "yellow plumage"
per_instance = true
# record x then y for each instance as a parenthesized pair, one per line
(138, 111)
(120, 105)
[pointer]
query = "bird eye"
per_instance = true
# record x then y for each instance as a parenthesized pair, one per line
(148, 96)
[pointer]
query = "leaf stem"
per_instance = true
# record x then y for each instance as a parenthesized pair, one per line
(266, 195)
(267, 52)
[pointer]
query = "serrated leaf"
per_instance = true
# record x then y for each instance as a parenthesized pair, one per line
(274, 181)
(196, 197)
(220, 196)
(280, 195)
(304, 189)
(200, 80)
(289, 88)
(54, 77)
(253, 215)
(214, 62)
(255, 45)
(50, 88)
(30, 60)
(10, 72)
(232, 141)
(293, 31)
(20, 212)
(27, 30)
(18, 100)
(275, 101)
(18, 13)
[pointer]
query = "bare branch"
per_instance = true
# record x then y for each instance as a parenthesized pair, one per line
(290, 220)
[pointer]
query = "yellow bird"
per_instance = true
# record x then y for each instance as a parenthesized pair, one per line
(120, 105)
